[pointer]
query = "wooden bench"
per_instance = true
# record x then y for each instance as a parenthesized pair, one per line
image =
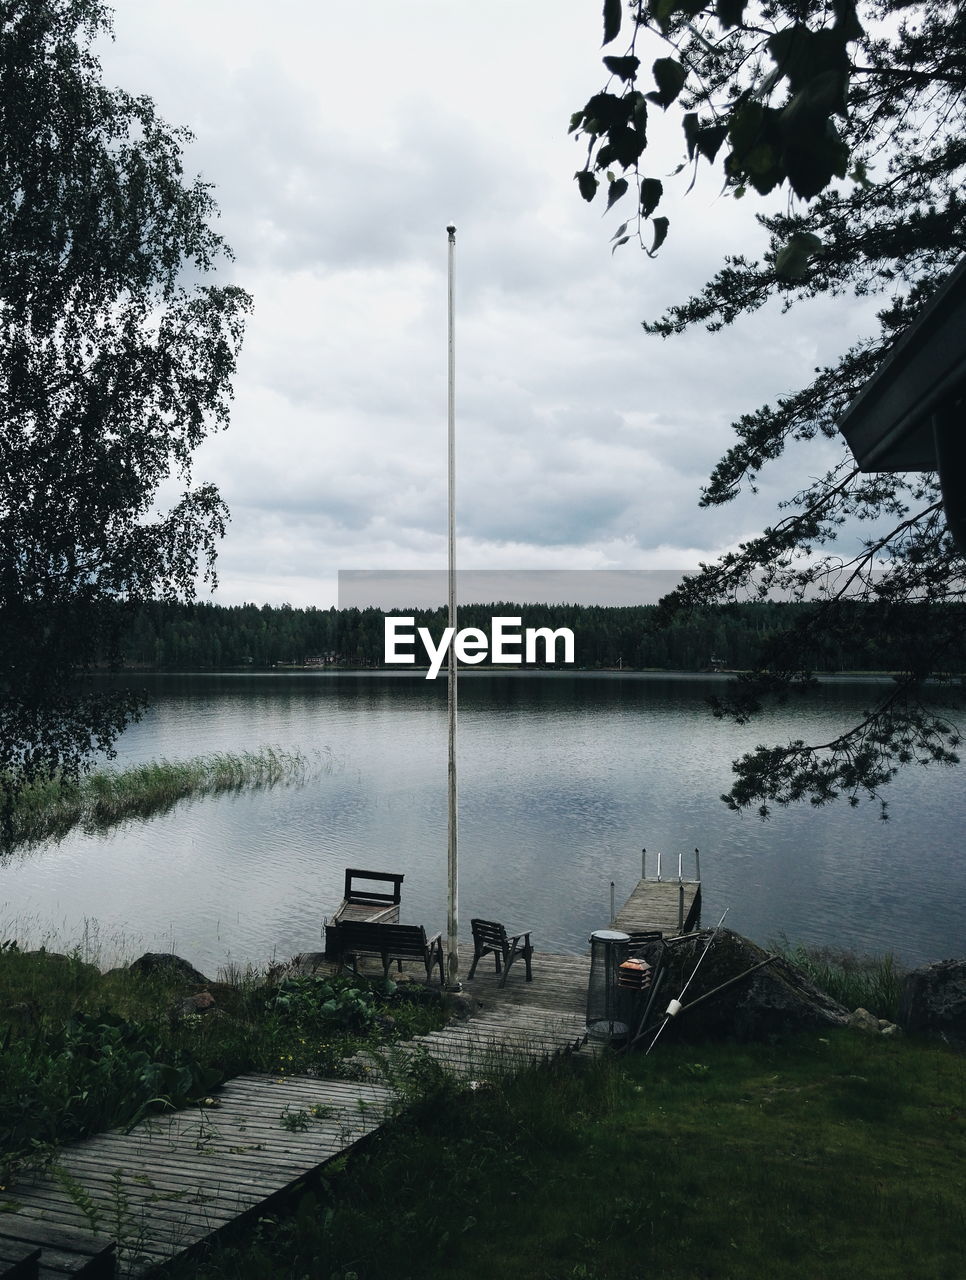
(363, 902)
(390, 942)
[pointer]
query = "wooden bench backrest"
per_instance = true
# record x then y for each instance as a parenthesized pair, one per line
(365, 894)
(409, 939)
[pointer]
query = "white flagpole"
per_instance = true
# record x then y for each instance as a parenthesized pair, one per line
(452, 906)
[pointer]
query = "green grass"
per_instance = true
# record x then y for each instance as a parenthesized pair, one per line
(824, 1158)
(856, 981)
(50, 808)
(82, 1051)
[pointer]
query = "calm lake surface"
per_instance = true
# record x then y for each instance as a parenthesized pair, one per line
(563, 780)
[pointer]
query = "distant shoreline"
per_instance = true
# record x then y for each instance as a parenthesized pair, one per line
(475, 672)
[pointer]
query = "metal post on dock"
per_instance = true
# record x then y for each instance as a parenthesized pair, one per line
(697, 865)
(643, 864)
(680, 857)
(659, 864)
(613, 902)
(680, 905)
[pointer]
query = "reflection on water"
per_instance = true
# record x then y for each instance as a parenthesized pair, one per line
(563, 779)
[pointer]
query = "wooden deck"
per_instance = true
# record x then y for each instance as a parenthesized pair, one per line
(671, 906)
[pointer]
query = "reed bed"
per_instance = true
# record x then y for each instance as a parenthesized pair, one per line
(50, 808)
(870, 982)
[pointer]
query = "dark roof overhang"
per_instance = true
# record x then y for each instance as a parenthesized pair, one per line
(909, 415)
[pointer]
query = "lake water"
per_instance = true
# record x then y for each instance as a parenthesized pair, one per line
(563, 779)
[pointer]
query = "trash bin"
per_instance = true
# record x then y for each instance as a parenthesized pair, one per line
(608, 950)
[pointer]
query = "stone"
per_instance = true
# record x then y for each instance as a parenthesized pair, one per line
(459, 1005)
(171, 966)
(776, 999)
(861, 1020)
(200, 1003)
(933, 1001)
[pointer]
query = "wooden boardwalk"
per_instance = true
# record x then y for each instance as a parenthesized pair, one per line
(174, 1181)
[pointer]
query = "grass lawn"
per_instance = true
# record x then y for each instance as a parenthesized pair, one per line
(832, 1156)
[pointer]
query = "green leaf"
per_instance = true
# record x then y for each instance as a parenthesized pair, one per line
(662, 11)
(587, 184)
(813, 159)
(709, 139)
(729, 12)
(669, 76)
(613, 12)
(616, 190)
(576, 120)
(625, 146)
(745, 126)
(626, 68)
(604, 111)
(651, 191)
(638, 109)
(847, 22)
(660, 235)
(622, 240)
(690, 127)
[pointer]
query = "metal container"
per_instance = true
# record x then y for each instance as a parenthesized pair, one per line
(608, 950)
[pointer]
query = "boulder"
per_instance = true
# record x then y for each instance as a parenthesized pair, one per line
(861, 1020)
(775, 999)
(168, 965)
(933, 1001)
(203, 1002)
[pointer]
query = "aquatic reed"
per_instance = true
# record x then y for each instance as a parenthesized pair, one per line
(872, 982)
(51, 807)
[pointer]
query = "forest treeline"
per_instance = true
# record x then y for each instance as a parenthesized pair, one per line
(189, 637)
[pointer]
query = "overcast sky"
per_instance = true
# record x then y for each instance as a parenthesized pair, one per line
(341, 139)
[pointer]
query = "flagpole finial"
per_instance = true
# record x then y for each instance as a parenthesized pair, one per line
(451, 232)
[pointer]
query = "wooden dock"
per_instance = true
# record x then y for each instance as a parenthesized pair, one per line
(668, 906)
(176, 1180)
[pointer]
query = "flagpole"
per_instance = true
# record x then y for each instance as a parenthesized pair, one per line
(452, 905)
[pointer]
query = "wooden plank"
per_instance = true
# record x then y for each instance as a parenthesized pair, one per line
(138, 1214)
(18, 1261)
(63, 1252)
(657, 905)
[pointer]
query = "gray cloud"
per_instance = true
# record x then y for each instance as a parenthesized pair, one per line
(341, 142)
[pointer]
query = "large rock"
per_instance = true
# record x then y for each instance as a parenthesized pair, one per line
(933, 1000)
(168, 965)
(775, 999)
